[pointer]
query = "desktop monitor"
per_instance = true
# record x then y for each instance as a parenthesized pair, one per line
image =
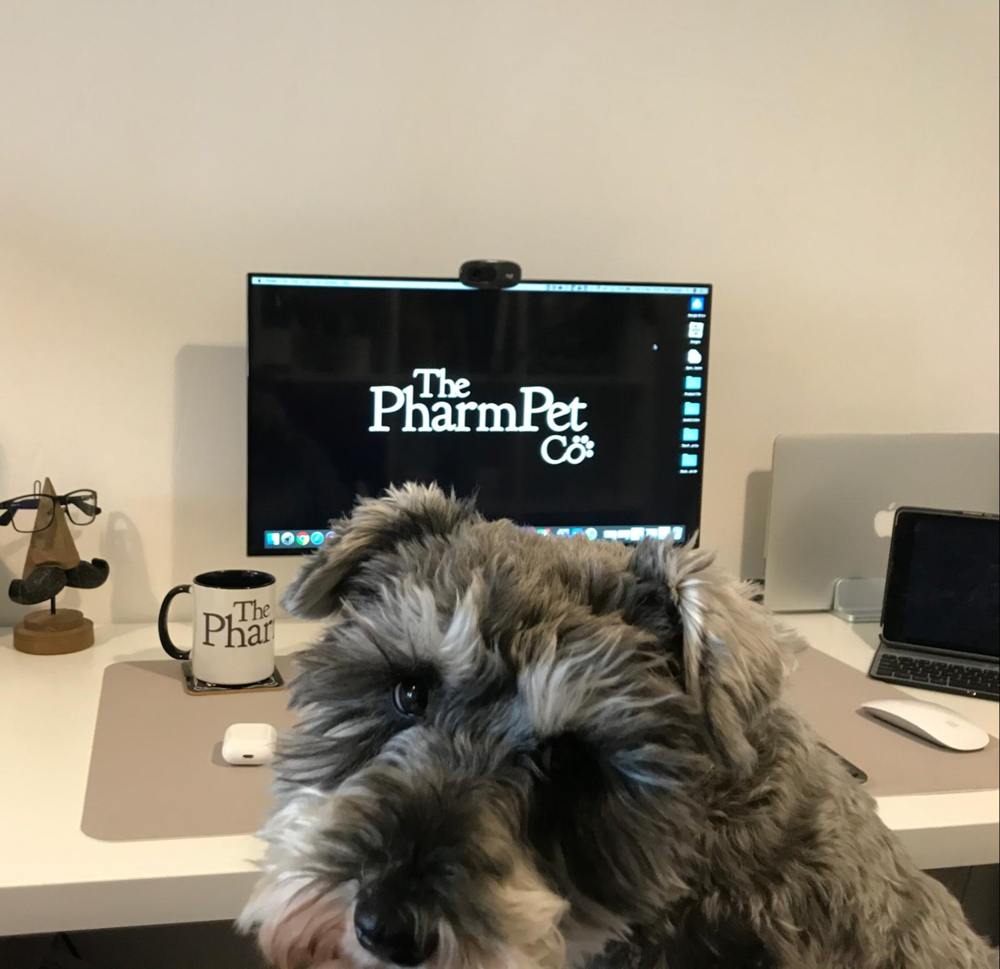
(568, 407)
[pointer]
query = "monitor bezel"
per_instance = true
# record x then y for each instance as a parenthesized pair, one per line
(900, 552)
(252, 552)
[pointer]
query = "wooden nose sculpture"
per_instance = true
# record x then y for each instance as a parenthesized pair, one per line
(51, 564)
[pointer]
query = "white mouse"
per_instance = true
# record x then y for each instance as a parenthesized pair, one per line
(247, 744)
(931, 721)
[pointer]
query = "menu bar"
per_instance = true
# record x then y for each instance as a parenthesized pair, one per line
(437, 284)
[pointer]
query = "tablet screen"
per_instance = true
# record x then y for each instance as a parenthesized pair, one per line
(943, 583)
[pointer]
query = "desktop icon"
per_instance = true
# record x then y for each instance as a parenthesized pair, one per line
(692, 408)
(287, 538)
(316, 538)
(272, 539)
(689, 459)
(697, 304)
(696, 329)
(330, 535)
(692, 383)
(302, 539)
(678, 533)
(690, 434)
(591, 533)
(694, 356)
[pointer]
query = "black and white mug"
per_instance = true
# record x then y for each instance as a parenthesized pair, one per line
(233, 634)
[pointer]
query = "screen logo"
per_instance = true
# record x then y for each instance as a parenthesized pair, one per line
(437, 403)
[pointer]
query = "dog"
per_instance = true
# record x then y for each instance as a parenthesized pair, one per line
(519, 752)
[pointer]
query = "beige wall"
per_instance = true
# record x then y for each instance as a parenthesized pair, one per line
(831, 167)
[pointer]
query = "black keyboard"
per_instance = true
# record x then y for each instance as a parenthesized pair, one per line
(935, 674)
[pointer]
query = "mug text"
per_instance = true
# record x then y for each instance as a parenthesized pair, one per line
(258, 631)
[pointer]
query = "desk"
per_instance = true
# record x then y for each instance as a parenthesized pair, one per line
(939, 830)
(53, 877)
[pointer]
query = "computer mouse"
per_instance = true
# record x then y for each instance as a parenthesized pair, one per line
(931, 721)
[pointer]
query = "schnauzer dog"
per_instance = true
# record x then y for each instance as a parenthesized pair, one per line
(516, 752)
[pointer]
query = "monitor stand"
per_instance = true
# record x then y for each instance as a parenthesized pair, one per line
(858, 600)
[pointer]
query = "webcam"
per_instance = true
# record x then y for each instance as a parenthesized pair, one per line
(490, 273)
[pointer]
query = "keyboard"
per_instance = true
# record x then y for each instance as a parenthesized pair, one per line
(935, 674)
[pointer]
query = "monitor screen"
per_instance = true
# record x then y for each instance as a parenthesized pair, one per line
(943, 583)
(567, 407)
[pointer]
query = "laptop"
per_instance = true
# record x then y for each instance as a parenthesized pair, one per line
(833, 498)
(941, 611)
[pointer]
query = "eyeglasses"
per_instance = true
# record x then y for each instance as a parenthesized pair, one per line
(81, 509)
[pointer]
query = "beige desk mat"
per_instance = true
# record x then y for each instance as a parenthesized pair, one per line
(829, 695)
(156, 770)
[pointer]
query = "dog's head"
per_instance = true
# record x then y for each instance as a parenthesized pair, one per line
(503, 740)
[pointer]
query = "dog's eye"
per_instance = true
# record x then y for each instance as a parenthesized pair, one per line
(410, 698)
(561, 756)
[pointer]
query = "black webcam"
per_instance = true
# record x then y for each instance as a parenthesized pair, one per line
(490, 273)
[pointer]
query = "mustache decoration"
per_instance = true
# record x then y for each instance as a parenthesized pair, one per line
(52, 564)
(46, 581)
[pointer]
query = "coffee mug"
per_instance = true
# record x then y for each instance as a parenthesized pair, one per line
(233, 637)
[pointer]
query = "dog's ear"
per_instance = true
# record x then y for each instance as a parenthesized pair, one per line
(375, 525)
(732, 651)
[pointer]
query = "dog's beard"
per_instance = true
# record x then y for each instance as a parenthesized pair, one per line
(298, 924)
(303, 922)
(301, 925)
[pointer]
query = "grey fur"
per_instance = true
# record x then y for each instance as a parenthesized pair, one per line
(605, 774)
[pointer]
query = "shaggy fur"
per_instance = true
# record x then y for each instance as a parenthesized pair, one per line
(603, 773)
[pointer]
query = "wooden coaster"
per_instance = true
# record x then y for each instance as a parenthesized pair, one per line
(196, 687)
(46, 633)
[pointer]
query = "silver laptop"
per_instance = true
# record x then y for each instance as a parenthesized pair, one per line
(833, 498)
(941, 613)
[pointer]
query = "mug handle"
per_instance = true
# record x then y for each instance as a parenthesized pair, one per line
(161, 623)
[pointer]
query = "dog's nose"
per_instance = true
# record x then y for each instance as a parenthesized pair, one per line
(392, 932)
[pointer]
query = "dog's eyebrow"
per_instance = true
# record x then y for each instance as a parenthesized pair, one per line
(408, 623)
(591, 678)
(462, 654)
(381, 635)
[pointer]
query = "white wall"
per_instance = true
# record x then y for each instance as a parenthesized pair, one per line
(831, 167)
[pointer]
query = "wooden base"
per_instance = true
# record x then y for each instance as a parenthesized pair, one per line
(46, 633)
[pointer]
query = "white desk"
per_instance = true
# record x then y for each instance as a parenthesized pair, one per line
(52, 876)
(938, 830)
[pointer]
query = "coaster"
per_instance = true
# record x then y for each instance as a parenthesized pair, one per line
(199, 687)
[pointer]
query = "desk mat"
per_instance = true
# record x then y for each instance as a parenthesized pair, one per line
(156, 769)
(829, 694)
